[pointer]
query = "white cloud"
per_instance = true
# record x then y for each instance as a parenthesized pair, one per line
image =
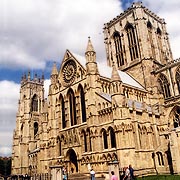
(168, 10)
(5, 151)
(9, 102)
(33, 32)
(47, 82)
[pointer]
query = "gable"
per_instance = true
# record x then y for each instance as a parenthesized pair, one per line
(71, 70)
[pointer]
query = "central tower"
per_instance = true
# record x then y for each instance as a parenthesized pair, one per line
(137, 42)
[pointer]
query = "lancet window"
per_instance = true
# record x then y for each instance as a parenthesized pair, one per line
(150, 32)
(34, 105)
(178, 79)
(119, 49)
(105, 141)
(82, 103)
(112, 137)
(133, 43)
(63, 112)
(164, 86)
(35, 128)
(159, 41)
(72, 107)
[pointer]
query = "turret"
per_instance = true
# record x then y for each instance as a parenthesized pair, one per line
(91, 59)
(54, 74)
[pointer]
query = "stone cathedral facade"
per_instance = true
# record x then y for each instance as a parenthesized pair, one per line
(105, 116)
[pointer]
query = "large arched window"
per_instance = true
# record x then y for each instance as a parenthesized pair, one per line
(35, 128)
(119, 49)
(112, 137)
(133, 42)
(34, 105)
(63, 112)
(105, 142)
(72, 107)
(178, 79)
(83, 103)
(164, 86)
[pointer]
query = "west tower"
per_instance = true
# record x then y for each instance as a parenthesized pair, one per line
(28, 123)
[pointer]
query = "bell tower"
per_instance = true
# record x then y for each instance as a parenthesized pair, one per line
(27, 131)
(137, 42)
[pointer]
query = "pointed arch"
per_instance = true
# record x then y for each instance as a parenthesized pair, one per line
(132, 41)
(150, 36)
(174, 117)
(34, 104)
(63, 119)
(59, 144)
(120, 55)
(177, 77)
(104, 135)
(72, 107)
(112, 137)
(84, 140)
(159, 42)
(164, 86)
(89, 144)
(82, 103)
(35, 128)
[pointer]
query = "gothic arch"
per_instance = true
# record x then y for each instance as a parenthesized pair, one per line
(63, 119)
(177, 78)
(89, 143)
(118, 43)
(84, 140)
(164, 86)
(104, 138)
(35, 128)
(132, 41)
(59, 146)
(72, 107)
(174, 117)
(112, 137)
(72, 160)
(82, 103)
(34, 103)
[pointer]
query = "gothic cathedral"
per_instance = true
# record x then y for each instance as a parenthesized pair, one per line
(105, 117)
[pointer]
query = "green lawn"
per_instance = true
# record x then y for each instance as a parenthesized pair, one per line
(160, 177)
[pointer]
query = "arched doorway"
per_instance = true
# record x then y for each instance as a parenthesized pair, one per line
(72, 161)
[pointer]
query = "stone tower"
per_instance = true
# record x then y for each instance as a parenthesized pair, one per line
(137, 42)
(30, 108)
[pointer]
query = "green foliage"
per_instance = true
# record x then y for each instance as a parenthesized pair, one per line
(5, 166)
(160, 177)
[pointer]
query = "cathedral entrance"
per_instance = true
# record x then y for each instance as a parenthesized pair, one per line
(72, 161)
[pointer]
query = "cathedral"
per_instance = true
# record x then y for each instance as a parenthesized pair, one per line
(100, 116)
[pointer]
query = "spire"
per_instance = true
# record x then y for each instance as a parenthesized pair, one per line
(90, 53)
(54, 70)
(89, 46)
(115, 75)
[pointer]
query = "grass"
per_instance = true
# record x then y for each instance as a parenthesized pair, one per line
(160, 177)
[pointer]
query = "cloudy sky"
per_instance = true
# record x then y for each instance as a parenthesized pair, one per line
(34, 34)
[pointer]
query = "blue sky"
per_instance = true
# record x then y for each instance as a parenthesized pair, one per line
(34, 34)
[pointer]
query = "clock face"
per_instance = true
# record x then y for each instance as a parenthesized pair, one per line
(69, 72)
